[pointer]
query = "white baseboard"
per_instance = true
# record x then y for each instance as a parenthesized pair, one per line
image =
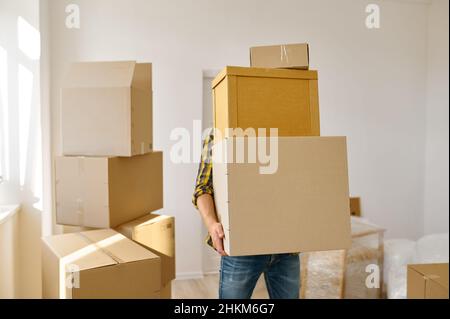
(189, 275)
(194, 275)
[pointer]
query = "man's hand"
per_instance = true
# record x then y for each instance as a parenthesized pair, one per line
(217, 236)
(206, 208)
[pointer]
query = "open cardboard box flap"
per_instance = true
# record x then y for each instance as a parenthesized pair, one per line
(109, 74)
(95, 249)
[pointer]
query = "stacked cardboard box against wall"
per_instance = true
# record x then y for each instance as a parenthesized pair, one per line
(303, 204)
(108, 175)
(157, 233)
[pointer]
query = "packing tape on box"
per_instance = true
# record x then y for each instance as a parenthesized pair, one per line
(102, 249)
(284, 55)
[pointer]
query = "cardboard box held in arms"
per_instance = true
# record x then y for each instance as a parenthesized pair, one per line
(104, 192)
(298, 202)
(157, 233)
(257, 98)
(99, 264)
(289, 56)
(106, 109)
(427, 281)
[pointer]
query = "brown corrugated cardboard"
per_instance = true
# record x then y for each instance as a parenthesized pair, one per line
(166, 291)
(427, 281)
(355, 206)
(157, 233)
(98, 264)
(267, 98)
(104, 192)
(106, 109)
(302, 207)
(289, 56)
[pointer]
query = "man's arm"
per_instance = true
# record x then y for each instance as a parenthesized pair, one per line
(203, 198)
(205, 204)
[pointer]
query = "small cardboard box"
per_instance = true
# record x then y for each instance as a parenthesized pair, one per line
(105, 192)
(266, 98)
(427, 281)
(289, 56)
(106, 109)
(157, 233)
(355, 206)
(99, 264)
(299, 207)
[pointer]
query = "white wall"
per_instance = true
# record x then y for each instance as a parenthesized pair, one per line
(372, 85)
(9, 256)
(20, 129)
(436, 172)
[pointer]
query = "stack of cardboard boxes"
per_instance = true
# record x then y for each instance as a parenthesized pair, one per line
(109, 178)
(303, 204)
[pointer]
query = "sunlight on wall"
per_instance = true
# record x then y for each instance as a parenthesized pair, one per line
(29, 39)
(30, 145)
(4, 115)
(25, 85)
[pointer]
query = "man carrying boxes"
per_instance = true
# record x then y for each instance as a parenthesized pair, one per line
(257, 222)
(109, 177)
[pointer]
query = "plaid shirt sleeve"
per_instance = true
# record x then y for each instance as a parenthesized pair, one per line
(204, 183)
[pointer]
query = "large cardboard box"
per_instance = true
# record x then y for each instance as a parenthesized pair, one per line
(105, 192)
(267, 98)
(427, 281)
(98, 264)
(303, 206)
(289, 56)
(157, 233)
(106, 109)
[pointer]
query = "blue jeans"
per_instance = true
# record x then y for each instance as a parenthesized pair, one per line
(238, 276)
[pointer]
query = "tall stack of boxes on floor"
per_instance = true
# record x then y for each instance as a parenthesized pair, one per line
(303, 205)
(109, 179)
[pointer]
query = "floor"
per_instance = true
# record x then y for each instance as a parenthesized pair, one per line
(207, 288)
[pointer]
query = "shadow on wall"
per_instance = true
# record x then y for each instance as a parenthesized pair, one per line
(20, 147)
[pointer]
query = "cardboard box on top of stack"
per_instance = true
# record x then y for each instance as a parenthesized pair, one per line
(304, 204)
(156, 233)
(286, 56)
(98, 264)
(106, 109)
